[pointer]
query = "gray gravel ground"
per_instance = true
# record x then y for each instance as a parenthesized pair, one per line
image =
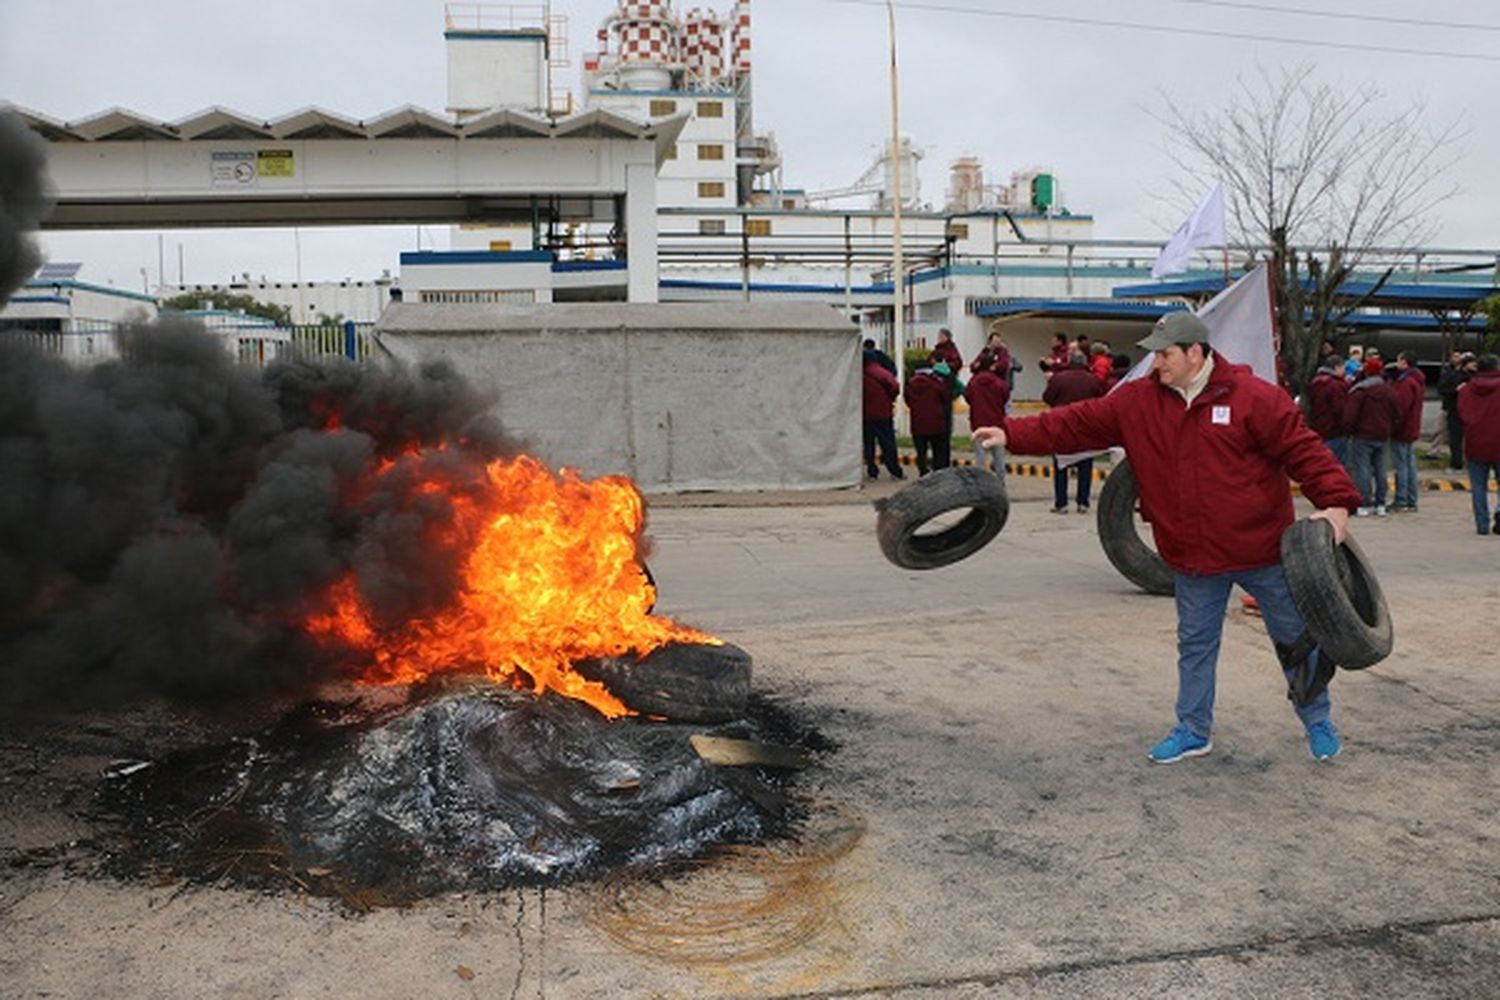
(989, 825)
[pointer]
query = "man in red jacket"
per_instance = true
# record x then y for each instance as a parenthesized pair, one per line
(1479, 409)
(928, 402)
(1212, 446)
(880, 392)
(988, 393)
(1371, 414)
(1411, 389)
(1326, 395)
(1066, 387)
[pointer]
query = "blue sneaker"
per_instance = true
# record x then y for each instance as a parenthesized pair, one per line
(1323, 740)
(1180, 742)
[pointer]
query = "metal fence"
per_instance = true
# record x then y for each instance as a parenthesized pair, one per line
(89, 342)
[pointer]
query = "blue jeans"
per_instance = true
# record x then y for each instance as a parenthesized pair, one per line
(1404, 458)
(1085, 472)
(1479, 492)
(1340, 449)
(1369, 463)
(1200, 626)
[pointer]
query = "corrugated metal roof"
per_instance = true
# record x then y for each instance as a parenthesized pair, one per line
(216, 123)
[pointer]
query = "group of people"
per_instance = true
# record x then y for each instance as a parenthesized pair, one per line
(1075, 369)
(1364, 409)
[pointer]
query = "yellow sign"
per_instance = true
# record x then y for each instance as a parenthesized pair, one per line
(275, 163)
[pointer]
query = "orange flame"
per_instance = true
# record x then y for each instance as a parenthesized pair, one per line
(551, 576)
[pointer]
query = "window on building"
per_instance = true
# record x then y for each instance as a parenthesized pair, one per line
(710, 189)
(711, 227)
(661, 107)
(710, 151)
(958, 230)
(757, 227)
(791, 203)
(710, 109)
(672, 155)
(501, 246)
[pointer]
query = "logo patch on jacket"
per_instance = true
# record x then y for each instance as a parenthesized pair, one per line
(1220, 415)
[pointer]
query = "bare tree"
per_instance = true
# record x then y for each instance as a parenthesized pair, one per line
(1328, 181)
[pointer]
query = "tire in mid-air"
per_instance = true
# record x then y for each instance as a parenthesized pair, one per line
(902, 516)
(1335, 589)
(1123, 545)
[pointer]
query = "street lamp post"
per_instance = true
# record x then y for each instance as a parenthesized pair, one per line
(898, 263)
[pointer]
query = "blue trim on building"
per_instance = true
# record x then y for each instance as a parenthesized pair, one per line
(510, 35)
(85, 286)
(425, 257)
(686, 283)
(1437, 292)
(1070, 307)
(50, 299)
(564, 266)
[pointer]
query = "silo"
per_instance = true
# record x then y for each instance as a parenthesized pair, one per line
(741, 21)
(965, 184)
(648, 44)
(703, 46)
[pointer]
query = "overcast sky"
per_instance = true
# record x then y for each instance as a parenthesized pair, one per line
(1016, 82)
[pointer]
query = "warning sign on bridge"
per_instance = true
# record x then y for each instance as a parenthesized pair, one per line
(275, 163)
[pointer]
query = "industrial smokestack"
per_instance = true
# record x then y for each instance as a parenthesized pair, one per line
(25, 201)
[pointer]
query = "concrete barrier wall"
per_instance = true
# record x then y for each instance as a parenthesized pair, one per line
(678, 397)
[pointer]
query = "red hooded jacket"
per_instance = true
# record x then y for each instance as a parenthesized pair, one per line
(1326, 395)
(881, 390)
(1411, 389)
(1213, 475)
(1372, 411)
(987, 394)
(1071, 385)
(927, 397)
(1479, 409)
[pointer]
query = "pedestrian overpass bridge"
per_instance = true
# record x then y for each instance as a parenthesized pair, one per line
(120, 170)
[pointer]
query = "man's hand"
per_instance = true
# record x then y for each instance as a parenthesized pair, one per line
(989, 437)
(1336, 516)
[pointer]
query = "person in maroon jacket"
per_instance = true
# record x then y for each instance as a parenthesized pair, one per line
(1326, 395)
(1411, 389)
(1057, 359)
(946, 351)
(1370, 416)
(880, 392)
(1072, 385)
(1212, 446)
(928, 401)
(988, 393)
(1479, 409)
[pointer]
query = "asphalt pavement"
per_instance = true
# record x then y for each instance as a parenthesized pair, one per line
(985, 822)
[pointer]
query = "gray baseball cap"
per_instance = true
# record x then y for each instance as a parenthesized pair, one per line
(1177, 327)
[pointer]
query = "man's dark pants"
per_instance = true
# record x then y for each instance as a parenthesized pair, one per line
(882, 432)
(1085, 473)
(941, 457)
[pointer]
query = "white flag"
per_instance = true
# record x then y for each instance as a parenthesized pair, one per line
(1204, 228)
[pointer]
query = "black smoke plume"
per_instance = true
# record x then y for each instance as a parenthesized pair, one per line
(25, 201)
(168, 520)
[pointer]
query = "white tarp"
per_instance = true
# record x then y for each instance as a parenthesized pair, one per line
(721, 396)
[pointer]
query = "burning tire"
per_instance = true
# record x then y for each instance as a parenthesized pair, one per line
(684, 681)
(903, 515)
(1121, 537)
(1335, 589)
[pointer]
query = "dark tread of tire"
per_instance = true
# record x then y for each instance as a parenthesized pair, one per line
(954, 488)
(1123, 545)
(1335, 589)
(684, 681)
